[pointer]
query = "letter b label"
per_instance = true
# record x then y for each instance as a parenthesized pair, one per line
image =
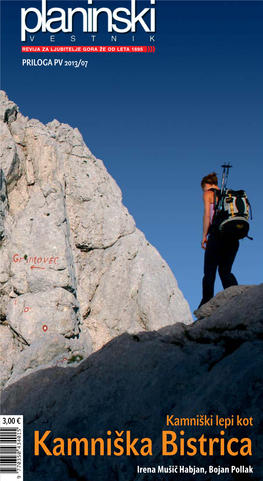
(168, 444)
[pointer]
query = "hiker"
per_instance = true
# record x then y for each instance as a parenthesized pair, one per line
(220, 251)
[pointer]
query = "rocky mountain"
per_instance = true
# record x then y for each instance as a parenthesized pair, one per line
(127, 389)
(75, 271)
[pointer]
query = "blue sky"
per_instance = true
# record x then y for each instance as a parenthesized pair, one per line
(161, 121)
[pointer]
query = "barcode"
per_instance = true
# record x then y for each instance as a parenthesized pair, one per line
(11, 448)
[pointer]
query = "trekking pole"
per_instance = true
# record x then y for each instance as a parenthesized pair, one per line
(226, 168)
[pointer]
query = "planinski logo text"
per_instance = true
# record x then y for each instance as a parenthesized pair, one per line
(129, 19)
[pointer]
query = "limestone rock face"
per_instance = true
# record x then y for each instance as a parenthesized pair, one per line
(73, 266)
(212, 367)
(9, 352)
(207, 309)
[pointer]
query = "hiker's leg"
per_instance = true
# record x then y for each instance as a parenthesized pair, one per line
(210, 266)
(228, 253)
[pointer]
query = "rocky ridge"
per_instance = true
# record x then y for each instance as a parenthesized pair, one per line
(75, 271)
(211, 367)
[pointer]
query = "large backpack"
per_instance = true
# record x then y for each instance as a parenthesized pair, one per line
(231, 216)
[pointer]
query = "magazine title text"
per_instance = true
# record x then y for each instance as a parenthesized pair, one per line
(61, 20)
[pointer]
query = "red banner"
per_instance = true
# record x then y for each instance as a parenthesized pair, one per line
(87, 49)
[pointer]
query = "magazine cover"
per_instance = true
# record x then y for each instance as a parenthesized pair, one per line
(131, 240)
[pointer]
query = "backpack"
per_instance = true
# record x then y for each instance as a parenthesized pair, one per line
(231, 217)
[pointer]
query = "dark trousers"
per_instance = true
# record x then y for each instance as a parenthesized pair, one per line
(220, 253)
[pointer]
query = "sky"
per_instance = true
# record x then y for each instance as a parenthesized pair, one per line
(160, 121)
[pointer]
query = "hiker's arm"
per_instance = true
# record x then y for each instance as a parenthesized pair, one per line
(206, 218)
